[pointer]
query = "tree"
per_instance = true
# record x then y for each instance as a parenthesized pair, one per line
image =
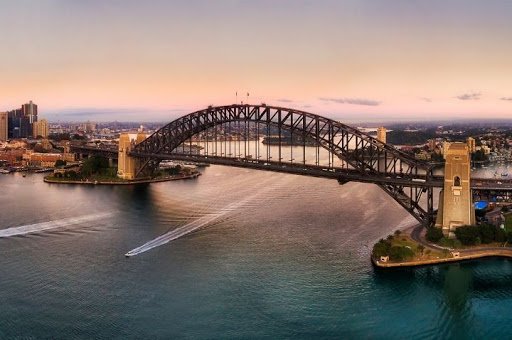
(39, 148)
(59, 163)
(381, 248)
(479, 156)
(72, 174)
(487, 233)
(400, 253)
(434, 234)
(501, 235)
(94, 165)
(468, 235)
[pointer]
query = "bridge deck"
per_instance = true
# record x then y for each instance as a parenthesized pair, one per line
(341, 174)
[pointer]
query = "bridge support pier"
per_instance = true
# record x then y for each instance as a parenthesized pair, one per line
(455, 201)
(127, 165)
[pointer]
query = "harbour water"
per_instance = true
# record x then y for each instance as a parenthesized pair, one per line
(265, 255)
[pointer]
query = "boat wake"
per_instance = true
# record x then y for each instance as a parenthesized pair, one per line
(50, 225)
(196, 224)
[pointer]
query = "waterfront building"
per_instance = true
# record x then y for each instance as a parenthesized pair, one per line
(4, 126)
(46, 160)
(40, 128)
(381, 134)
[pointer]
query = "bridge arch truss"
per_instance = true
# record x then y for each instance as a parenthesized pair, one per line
(353, 155)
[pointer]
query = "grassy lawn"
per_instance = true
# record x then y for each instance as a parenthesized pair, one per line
(404, 240)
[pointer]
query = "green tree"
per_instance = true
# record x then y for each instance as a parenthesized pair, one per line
(501, 235)
(479, 156)
(468, 235)
(434, 234)
(59, 163)
(94, 165)
(487, 233)
(381, 248)
(400, 253)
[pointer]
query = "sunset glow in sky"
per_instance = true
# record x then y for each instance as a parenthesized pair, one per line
(359, 59)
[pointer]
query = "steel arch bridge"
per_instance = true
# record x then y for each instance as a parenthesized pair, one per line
(352, 154)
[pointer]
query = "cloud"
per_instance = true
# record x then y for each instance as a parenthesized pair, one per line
(425, 99)
(470, 96)
(353, 101)
(506, 98)
(112, 114)
(284, 100)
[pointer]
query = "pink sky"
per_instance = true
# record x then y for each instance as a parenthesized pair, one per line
(369, 59)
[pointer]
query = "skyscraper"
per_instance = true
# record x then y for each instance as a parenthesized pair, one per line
(4, 123)
(15, 120)
(30, 110)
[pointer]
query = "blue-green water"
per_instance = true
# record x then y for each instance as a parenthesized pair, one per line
(290, 261)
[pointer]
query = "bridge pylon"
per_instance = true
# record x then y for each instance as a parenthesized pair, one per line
(455, 201)
(127, 166)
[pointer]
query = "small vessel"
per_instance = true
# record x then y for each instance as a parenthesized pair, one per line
(24, 175)
(43, 170)
(5, 171)
(504, 174)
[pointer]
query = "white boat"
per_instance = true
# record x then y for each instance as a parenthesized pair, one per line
(5, 171)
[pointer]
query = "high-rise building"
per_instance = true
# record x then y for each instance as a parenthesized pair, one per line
(381, 134)
(471, 144)
(40, 128)
(16, 123)
(20, 121)
(30, 111)
(4, 126)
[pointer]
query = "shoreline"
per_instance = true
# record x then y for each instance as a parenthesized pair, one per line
(141, 181)
(417, 234)
(499, 253)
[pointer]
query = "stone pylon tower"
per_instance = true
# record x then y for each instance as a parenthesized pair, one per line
(455, 201)
(126, 165)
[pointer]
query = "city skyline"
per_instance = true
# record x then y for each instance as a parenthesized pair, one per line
(363, 60)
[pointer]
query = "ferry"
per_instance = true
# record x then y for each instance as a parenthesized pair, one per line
(44, 170)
